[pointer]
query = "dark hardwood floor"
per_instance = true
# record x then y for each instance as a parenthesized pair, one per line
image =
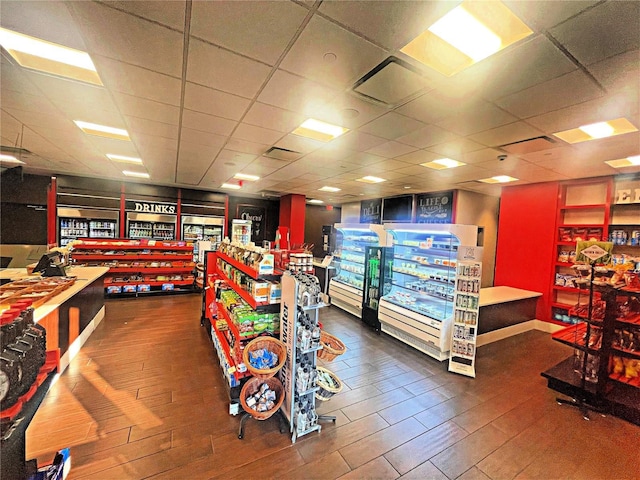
(145, 399)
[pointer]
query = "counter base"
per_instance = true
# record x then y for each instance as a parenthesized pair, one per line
(346, 299)
(414, 342)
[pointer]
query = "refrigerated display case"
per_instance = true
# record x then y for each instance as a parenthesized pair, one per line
(346, 287)
(418, 309)
(196, 229)
(377, 282)
(152, 226)
(240, 231)
(74, 223)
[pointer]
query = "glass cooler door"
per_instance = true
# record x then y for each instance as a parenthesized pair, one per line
(349, 257)
(424, 270)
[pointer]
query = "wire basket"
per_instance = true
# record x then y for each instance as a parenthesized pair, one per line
(252, 386)
(331, 347)
(268, 343)
(325, 391)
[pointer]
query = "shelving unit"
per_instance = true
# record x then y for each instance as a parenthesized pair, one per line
(346, 287)
(139, 266)
(418, 309)
(225, 331)
(292, 308)
(614, 381)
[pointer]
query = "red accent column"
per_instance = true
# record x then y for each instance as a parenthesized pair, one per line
(292, 210)
(122, 211)
(178, 211)
(52, 212)
(225, 228)
(526, 236)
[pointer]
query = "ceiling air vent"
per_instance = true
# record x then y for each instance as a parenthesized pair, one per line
(270, 193)
(282, 154)
(529, 145)
(391, 83)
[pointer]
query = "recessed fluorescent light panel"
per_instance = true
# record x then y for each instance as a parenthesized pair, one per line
(329, 189)
(10, 159)
(499, 179)
(467, 34)
(129, 173)
(597, 130)
(317, 130)
(121, 158)
(314, 200)
(244, 176)
(36, 54)
(625, 162)
(443, 163)
(230, 186)
(103, 131)
(370, 179)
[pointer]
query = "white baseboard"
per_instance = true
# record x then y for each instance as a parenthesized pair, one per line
(516, 329)
(75, 347)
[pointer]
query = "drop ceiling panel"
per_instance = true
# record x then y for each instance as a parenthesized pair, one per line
(456, 148)
(598, 110)
(544, 14)
(559, 152)
(619, 73)
(357, 141)
(435, 105)
(149, 142)
(232, 73)
(589, 38)
(392, 125)
(207, 123)
(193, 161)
(120, 36)
(147, 109)
(53, 120)
(326, 53)
(574, 167)
(274, 118)
(484, 155)
(570, 89)
(391, 149)
(197, 137)
(414, 171)
(213, 102)
(464, 173)
(28, 103)
(419, 156)
(476, 118)
(15, 80)
(257, 134)
(427, 136)
(389, 24)
(49, 20)
(363, 159)
(140, 82)
(243, 146)
(260, 30)
(170, 14)
(519, 67)
(328, 155)
(514, 132)
(151, 127)
(288, 91)
(235, 160)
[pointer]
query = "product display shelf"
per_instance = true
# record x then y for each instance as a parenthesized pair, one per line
(232, 324)
(246, 296)
(583, 213)
(299, 406)
(418, 309)
(154, 270)
(88, 257)
(574, 337)
(614, 391)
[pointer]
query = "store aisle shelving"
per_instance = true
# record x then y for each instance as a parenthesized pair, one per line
(145, 399)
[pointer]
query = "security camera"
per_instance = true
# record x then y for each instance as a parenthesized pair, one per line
(502, 158)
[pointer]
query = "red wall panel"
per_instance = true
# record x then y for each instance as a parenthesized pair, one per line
(526, 236)
(292, 210)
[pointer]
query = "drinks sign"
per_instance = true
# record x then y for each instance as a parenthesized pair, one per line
(146, 207)
(435, 207)
(370, 211)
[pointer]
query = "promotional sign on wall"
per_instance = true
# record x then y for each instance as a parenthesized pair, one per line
(148, 207)
(466, 309)
(256, 215)
(370, 211)
(435, 207)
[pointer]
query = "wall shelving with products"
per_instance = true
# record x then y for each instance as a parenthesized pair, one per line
(137, 267)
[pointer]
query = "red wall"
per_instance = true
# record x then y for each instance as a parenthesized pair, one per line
(526, 239)
(292, 210)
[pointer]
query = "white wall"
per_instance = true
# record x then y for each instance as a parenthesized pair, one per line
(477, 209)
(350, 213)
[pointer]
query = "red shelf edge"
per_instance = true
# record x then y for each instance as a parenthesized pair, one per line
(106, 258)
(149, 269)
(155, 283)
(246, 296)
(84, 246)
(583, 207)
(244, 268)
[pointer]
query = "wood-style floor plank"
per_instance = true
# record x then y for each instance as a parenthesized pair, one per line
(145, 398)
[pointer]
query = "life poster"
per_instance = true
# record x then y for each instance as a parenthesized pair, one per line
(466, 310)
(435, 207)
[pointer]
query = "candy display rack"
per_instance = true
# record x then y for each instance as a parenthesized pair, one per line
(300, 332)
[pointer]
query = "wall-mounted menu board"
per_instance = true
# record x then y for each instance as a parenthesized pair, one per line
(370, 211)
(435, 207)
